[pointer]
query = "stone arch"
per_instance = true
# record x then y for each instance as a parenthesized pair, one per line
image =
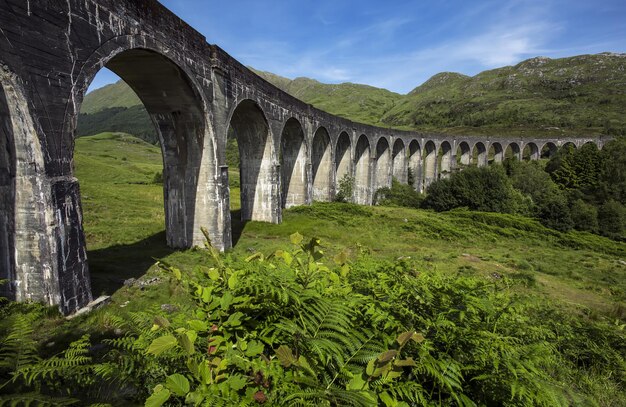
(530, 152)
(479, 154)
(362, 171)
(415, 164)
(178, 108)
(512, 151)
(569, 144)
(548, 150)
(430, 163)
(293, 164)
(256, 161)
(342, 156)
(321, 164)
(400, 168)
(383, 164)
(445, 160)
(463, 154)
(496, 153)
(28, 254)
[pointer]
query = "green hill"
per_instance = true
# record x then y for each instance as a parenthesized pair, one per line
(578, 95)
(581, 95)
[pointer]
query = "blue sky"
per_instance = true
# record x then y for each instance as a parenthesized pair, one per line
(398, 45)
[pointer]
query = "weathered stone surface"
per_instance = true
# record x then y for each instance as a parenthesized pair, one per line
(291, 153)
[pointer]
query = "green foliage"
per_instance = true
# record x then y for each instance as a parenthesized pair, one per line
(584, 216)
(398, 194)
(483, 189)
(345, 190)
(612, 219)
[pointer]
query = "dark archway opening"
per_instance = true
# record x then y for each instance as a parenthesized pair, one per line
(256, 158)
(430, 163)
(139, 201)
(342, 157)
(383, 164)
(445, 160)
(293, 165)
(321, 165)
(362, 172)
(463, 155)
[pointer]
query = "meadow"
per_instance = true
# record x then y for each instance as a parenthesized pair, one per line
(505, 311)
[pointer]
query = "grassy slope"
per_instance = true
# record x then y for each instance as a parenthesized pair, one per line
(115, 95)
(584, 94)
(123, 217)
(537, 97)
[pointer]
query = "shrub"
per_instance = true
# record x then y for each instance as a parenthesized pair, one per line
(398, 194)
(553, 211)
(612, 219)
(345, 191)
(483, 189)
(584, 216)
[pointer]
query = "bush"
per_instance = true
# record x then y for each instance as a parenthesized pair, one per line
(584, 216)
(346, 189)
(483, 189)
(554, 212)
(398, 194)
(612, 219)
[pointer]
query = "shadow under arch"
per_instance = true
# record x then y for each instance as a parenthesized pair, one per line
(362, 172)
(430, 163)
(465, 157)
(342, 157)
(445, 160)
(178, 110)
(399, 160)
(256, 161)
(415, 165)
(496, 153)
(293, 164)
(382, 177)
(321, 165)
(479, 154)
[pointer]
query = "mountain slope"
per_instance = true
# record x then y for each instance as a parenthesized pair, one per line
(582, 95)
(578, 95)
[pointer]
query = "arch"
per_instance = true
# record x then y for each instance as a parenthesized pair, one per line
(530, 152)
(342, 156)
(252, 131)
(321, 162)
(569, 144)
(463, 156)
(548, 150)
(479, 154)
(293, 164)
(445, 160)
(512, 152)
(430, 163)
(362, 171)
(400, 168)
(383, 164)
(415, 165)
(496, 153)
(178, 110)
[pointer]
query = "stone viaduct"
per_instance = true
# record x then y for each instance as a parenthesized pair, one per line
(291, 153)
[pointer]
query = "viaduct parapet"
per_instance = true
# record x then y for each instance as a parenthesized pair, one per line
(291, 153)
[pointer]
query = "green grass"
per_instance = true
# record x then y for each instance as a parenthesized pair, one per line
(124, 225)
